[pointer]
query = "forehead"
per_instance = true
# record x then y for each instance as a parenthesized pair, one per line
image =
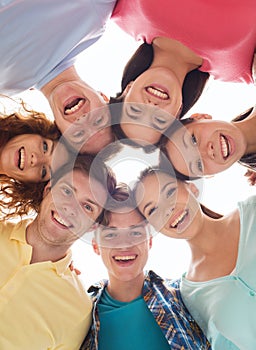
(126, 219)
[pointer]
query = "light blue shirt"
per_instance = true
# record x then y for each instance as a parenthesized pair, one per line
(225, 307)
(41, 38)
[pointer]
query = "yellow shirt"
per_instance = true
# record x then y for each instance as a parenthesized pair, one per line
(42, 305)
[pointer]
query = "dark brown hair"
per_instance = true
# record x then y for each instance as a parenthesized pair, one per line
(141, 60)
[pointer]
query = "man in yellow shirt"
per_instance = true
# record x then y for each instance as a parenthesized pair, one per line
(43, 305)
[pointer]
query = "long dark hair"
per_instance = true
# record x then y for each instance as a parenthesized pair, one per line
(247, 160)
(142, 59)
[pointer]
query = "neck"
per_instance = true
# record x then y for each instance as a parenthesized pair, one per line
(67, 75)
(43, 251)
(214, 251)
(172, 54)
(126, 291)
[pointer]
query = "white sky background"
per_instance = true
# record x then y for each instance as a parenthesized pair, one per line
(101, 67)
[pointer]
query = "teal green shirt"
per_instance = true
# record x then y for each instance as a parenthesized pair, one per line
(225, 307)
(128, 326)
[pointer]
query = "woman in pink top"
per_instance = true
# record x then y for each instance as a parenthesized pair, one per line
(185, 42)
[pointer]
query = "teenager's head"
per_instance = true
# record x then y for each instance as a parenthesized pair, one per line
(169, 205)
(156, 87)
(123, 237)
(73, 102)
(204, 147)
(27, 144)
(75, 197)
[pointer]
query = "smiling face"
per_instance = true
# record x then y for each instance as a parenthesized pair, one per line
(70, 208)
(71, 103)
(205, 147)
(159, 89)
(168, 205)
(126, 246)
(27, 158)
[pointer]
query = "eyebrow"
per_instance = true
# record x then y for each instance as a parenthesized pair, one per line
(121, 228)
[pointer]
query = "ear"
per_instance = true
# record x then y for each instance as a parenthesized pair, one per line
(105, 98)
(95, 247)
(192, 187)
(150, 242)
(127, 88)
(47, 188)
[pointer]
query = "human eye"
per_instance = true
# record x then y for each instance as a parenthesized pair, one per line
(135, 109)
(66, 191)
(136, 234)
(98, 121)
(160, 120)
(45, 146)
(151, 211)
(78, 134)
(44, 172)
(88, 207)
(109, 235)
(199, 165)
(170, 192)
(194, 140)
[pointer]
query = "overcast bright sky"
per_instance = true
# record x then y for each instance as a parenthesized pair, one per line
(101, 66)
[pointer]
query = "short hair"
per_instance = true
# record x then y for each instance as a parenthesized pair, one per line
(122, 197)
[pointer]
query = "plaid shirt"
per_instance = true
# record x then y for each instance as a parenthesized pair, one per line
(164, 301)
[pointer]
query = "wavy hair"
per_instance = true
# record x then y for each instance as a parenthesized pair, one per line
(19, 198)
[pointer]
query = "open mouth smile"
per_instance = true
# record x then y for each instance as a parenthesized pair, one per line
(224, 146)
(21, 160)
(157, 92)
(74, 106)
(60, 221)
(179, 220)
(125, 258)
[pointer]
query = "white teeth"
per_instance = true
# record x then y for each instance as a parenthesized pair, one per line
(22, 158)
(179, 219)
(158, 93)
(125, 257)
(59, 219)
(74, 108)
(224, 146)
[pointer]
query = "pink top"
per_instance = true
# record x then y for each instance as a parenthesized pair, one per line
(222, 32)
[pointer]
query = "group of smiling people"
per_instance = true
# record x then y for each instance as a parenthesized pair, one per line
(55, 169)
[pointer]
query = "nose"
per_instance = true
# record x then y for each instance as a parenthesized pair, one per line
(152, 102)
(40, 159)
(68, 209)
(210, 150)
(36, 159)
